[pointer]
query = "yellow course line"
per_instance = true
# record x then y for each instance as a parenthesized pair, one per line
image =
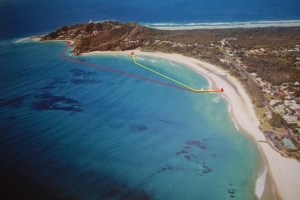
(199, 91)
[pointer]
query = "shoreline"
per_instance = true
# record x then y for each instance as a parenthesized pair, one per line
(284, 172)
(223, 25)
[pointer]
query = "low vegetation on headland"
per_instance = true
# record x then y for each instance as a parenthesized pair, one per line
(265, 60)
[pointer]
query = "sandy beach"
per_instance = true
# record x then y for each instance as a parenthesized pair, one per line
(285, 172)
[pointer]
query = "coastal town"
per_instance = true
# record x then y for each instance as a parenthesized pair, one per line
(280, 118)
(276, 100)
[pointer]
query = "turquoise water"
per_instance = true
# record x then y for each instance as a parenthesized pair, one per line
(288, 143)
(69, 131)
(99, 134)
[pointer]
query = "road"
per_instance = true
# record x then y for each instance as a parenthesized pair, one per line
(270, 135)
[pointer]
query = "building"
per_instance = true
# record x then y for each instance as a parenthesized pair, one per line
(290, 119)
(297, 113)
(295, 107)
(267, 91)
(280, 109)
(289, 102)
(268, 115)
(258, 79)
(280, 94)
(289, 112)
(284, 86)
(254, 75)
(274, 102)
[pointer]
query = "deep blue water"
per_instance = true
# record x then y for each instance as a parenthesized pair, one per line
(69, 131)
(20, 17)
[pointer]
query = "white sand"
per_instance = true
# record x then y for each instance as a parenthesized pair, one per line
(284, 171)
(37, 38)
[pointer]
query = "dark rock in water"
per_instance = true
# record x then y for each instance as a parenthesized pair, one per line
(138, 80)
(187, 157)
(11, 117)
(183, 151)
(165, 121)
(56, 81)
(165, 168)
(206, 169)
(48, 87)
(113, 191)
(80, 72)
(139, 128)
(116, 126)
(231, 191)
(15, 102)
(59, 80)
(196, 143)
(85, 81)
(231, 195)
(52, 102)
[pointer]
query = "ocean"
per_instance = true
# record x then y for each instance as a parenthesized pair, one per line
(70, 131)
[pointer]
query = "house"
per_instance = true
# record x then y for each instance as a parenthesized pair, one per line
(274, 102)
(268, 115)
(269, 86)
(280, 137)
(295, 107)
(289, 112)
(280, 109)
(288, 97)
(254, 75)
(284, 86)
(289, 102)
(262, 83)
(244, 66)
(297, 113)
(280, 94)
(267, 91)
(262, 49)
(290, 119)
(274, 87)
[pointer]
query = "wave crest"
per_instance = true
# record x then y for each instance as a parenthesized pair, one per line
(207, 25)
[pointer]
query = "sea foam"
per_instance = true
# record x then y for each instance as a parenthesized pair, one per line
(213, 25)
(260, 184)
(26, 39)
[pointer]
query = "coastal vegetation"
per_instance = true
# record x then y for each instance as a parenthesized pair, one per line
(277, 63)
(265, 60)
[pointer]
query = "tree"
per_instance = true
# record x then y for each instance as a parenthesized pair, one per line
(276, 120)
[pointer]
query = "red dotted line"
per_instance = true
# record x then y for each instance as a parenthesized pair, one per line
(116, 71)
